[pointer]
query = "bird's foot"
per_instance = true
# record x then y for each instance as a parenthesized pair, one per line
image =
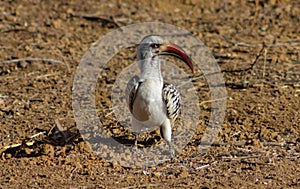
(135, 146)
(172, 151)
(134, 149)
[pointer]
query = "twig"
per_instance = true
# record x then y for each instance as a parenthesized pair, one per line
(255, 14)
(259, 45)
(235, 134)
(65, 61)
(239, 143)
(190, 80)
(97, 18)
(274, 144)
(213, 100)
(38, 134)
(108, 114)
(45, 75)
(72, 137)
(71, 175)
(241, 157)
(15, 29)
(50, 131)
(28, 143)
(178, 34)
(244, 150)
(31, 59)
(251, 65)
(251, 162)
(202, 167)
(12, 146)
(142, 186)
(264, 68)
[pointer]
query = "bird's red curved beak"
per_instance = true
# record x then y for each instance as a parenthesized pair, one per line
(175, 50)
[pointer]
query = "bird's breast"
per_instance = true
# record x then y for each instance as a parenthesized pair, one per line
(148, 105)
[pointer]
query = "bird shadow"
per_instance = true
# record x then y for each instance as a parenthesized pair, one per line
(146, 140)
(42, 143)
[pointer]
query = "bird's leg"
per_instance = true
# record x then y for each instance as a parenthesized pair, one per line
(136, 140)
(136, 132)
(171, 148)
(166, 133)
(135, 146)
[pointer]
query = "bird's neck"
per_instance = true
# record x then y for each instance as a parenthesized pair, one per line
(150, 69)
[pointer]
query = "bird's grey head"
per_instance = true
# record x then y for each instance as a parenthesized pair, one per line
(149, 47)
(152, 46)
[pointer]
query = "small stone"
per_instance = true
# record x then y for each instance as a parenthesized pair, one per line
(47, 150)
(57, 23)
(22, 64)
(8, 156)
(156, 174)
(70, 11)
(115, 166)
(28, 151)
(183, 174)
(84, 147)
(256, 142)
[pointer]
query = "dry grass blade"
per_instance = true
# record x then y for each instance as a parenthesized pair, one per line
(31, 59)
(241, 157)
(143, 186)
(202, 167)
(26, 141)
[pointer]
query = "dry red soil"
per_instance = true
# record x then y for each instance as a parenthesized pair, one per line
(256, 44)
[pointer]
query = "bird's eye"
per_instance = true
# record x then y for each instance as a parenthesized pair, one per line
(155, 45)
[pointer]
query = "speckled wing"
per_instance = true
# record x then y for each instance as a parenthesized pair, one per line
(171, 97)
(131, 89)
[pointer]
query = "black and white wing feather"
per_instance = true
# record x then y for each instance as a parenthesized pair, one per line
(171, 97)
(131, 90)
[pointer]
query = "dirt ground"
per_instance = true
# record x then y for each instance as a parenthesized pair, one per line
(256, 44)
